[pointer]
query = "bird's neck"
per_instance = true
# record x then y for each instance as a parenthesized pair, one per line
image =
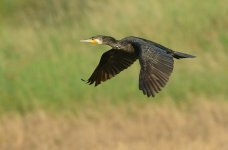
(113, 43)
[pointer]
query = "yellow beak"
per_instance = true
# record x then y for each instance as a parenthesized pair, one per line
(89, 41)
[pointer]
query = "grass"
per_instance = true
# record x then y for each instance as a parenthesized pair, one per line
(42, 61)
(145, 127)
(45, 105)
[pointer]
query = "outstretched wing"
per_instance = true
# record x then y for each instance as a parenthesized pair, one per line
(156, 67)
(112, 62)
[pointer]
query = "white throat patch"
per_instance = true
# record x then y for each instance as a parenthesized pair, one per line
(98, 41)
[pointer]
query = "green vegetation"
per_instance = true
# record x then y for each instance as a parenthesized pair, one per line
(42, 61)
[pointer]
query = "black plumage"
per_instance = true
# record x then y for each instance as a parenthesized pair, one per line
(156, 61)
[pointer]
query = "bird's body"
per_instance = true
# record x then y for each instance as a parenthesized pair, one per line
(156, 61)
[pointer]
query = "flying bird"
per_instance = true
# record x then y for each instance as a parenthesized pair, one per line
(156, 61)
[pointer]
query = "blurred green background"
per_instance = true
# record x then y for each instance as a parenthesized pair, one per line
(42, 61)
(45, 105)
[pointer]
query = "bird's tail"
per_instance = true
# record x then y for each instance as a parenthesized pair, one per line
(179, 55)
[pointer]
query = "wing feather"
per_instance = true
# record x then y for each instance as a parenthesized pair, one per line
(111, 63)
(156, 68)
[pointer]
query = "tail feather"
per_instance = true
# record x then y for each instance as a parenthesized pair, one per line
(179, 55)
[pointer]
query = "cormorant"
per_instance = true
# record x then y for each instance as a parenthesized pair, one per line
(156, 61)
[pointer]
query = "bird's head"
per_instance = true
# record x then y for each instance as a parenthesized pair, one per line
(100, 39)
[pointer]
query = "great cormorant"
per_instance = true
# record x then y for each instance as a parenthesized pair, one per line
(156, 61)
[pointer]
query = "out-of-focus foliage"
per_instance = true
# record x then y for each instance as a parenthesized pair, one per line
(42, 61)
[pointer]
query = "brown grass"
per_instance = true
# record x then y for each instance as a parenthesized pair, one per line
(202, 125)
